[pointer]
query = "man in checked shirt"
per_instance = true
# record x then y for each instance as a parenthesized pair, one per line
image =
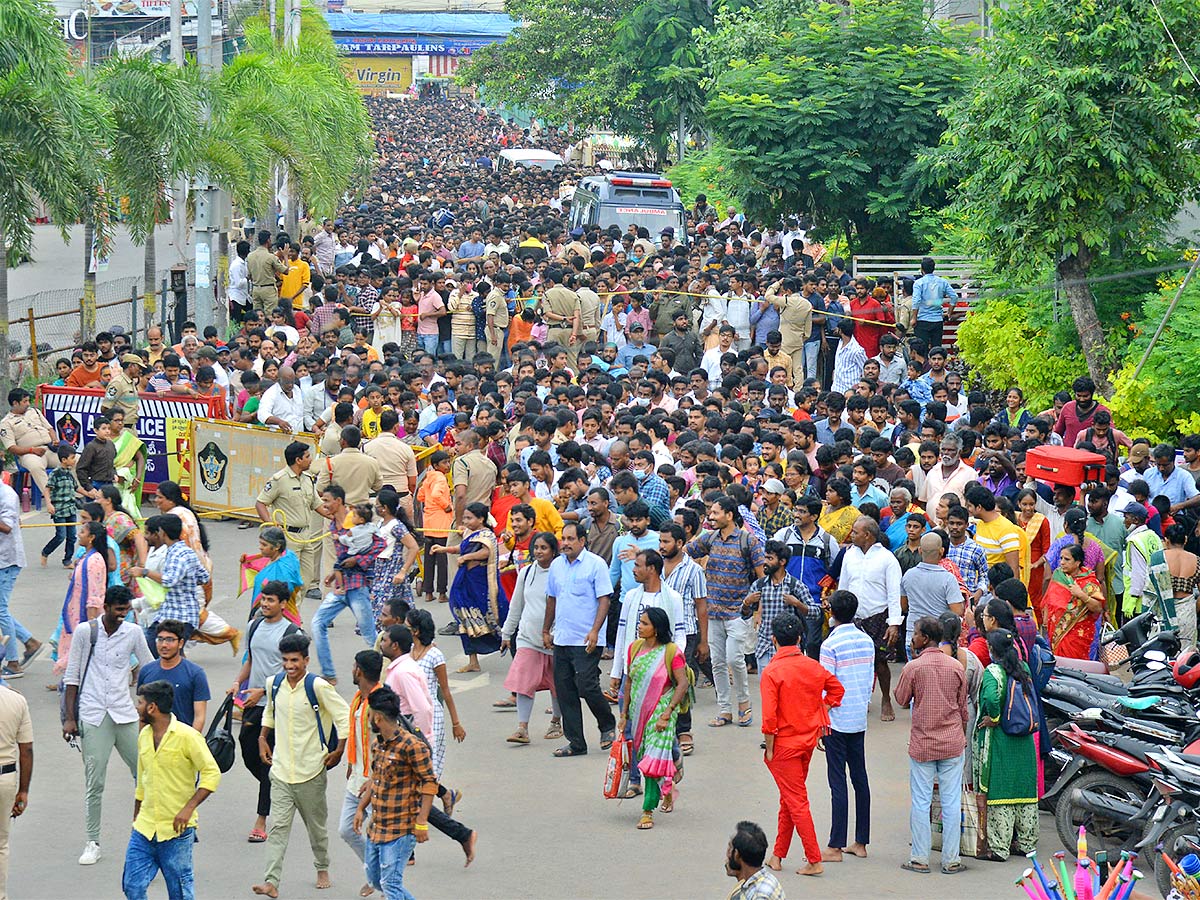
(775, 592)
(400, 794)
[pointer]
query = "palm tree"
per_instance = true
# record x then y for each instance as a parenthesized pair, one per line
(43, 114)
(155, 115)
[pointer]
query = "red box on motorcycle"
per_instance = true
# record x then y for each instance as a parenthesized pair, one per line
(1064, 465)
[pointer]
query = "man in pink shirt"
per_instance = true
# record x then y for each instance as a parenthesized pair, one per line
(405, 677)
(429, 308)
(1077, 414)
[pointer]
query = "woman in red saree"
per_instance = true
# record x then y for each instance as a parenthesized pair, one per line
(1074, 602)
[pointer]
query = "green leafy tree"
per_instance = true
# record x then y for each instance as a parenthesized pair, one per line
(49, 149)
(1080, 134)
(823, 110)
(627, 66)
(155, 110)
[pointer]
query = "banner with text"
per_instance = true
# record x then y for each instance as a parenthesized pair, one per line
(164, 425)
(232, 462)
(376, 75)
(412, 45)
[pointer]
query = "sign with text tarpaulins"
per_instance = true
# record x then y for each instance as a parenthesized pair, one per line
(164, 425)
(415, 45)
(232, 462)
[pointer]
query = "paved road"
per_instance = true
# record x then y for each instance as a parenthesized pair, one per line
(58, 265)
(545, 831)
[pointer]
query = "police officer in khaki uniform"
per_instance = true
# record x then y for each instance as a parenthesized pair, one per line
(291, 492)
(495, 307)
(560, 309)
(397, 460)
(122, 391)
(262, 266)
(356, 472)
(28, 436)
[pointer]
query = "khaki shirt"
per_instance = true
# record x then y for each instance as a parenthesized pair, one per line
(478, 474)
(16, 727)
(29, 430)
(122, 393)
(560, 301)
(356, 472)
(496, 306)
(293, 495)
(795, 318)
(397, 461)
(262, 265)
(589, 310)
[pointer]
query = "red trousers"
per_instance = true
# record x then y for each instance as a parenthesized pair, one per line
(789, 768)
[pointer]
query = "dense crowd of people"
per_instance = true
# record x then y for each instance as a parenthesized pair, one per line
(650, 466)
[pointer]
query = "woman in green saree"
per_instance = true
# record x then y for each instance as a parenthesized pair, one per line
(655, 683)
(130, 464)
(1006, 764)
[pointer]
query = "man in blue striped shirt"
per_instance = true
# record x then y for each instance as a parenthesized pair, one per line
(849, 654)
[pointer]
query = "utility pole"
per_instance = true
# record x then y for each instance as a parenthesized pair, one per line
(179, 190)
(208, 205)
(291, 42)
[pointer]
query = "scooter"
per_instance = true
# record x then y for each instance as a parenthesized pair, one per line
(1173, 827)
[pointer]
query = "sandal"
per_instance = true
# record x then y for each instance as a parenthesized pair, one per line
(646, 822)
(686, 744)
(257, 836)
(507, 703)
(989, 856)
(610, 696)
(564, 752)
(913, 866)
(745, 717)
(668, 804)
(607, 738)
(953, 869)
(554, 731)
(520, 736)
(631, 792)
(720, 722)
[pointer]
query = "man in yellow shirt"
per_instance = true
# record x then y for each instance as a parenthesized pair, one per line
(548, 517)
(175, 774)
(304, 750)
(293, 283)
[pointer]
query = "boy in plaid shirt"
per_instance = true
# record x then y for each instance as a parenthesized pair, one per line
(62, 503)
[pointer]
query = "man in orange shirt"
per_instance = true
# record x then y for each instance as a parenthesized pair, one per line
(797, 694)
(90, 373)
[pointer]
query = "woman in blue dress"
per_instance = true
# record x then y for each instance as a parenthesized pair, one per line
(477, 600)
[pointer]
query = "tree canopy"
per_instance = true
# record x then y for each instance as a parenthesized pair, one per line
(822, 109)
(1081, 134)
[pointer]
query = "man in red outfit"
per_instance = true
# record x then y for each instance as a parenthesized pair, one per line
(797, 694)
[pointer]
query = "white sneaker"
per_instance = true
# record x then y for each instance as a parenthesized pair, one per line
(91, 854)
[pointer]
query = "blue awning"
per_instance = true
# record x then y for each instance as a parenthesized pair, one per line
(434, 24)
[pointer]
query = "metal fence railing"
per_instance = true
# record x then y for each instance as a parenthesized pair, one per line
(45, 326)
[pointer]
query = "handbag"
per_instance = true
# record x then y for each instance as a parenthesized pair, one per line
(968, 826)
(1112, 655)
(220, 740)
(616, 773)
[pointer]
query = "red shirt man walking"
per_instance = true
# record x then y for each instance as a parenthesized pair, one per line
(797, 694)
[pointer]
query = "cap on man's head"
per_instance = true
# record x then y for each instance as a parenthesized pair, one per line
(1136, 510)
(207, 352)
(1139, 453)
(637, 326)
(576, 232)
(667, 232)
(774, 486)
(130, 359)
(682, 314)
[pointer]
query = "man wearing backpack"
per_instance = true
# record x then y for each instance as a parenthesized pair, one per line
(734, 561)
(936, 685)
(309, 721)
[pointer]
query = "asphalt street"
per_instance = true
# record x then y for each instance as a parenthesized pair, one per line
(545, 830)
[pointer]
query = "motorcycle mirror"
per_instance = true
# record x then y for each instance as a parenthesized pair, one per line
(1156, 656)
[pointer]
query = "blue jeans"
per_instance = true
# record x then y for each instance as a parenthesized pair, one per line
(63, 533)
(8, 627)
(357, 842)
(385, 865)
(812, 349)
(429, 343)
(145, 858)
(921, 776)
(358, 600)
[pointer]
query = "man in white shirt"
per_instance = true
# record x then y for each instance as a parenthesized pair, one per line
(100, 710)
(711, 361)
(872, 574)
(239, 279)
(647, 572)
(283, 404)
(325, 247)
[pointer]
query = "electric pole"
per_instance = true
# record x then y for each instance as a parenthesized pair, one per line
(208, 207)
